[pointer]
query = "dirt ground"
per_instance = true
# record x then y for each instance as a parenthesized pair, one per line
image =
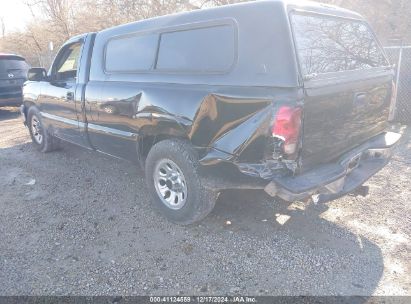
(75, 222)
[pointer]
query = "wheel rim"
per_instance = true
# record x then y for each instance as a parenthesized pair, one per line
(36, 129)
(170, 184)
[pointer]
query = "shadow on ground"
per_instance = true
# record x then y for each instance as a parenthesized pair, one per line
(319, 255)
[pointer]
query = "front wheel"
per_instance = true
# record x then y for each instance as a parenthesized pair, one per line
(41, 139)
(174, 182)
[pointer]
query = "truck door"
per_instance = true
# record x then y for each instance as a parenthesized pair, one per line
(112, 126)
(59, 102)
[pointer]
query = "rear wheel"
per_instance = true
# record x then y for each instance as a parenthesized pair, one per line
(41, 139)
(174, 182)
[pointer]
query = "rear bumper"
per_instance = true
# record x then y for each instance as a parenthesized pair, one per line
(13, 101)
(336, 179)
(10, 97)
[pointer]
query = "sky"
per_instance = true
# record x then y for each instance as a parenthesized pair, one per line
(15, 13)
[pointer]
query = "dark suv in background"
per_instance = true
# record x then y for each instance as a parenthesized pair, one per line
(13, 73)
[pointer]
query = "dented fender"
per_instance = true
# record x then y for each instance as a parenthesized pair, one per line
(225, 124)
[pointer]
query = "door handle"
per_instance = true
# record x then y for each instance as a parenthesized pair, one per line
(70, 96)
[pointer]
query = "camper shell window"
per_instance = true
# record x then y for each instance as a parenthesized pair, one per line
(210, 49)
(327, 44)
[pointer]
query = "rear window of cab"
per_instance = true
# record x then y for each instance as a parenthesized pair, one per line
(331, 44)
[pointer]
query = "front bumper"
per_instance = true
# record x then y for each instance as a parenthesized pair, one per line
(333, 180)
(9, 102)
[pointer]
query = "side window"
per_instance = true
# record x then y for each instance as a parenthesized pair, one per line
(210, 49)
(135, 53)
(66, 65)
(326, 44)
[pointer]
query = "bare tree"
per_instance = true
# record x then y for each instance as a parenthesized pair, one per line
(390, 18)
(60, 13)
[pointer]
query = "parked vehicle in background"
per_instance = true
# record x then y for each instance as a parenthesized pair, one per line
(13, 73)
(290, 98)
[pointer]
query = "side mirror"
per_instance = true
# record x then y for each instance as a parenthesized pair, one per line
(36, 74)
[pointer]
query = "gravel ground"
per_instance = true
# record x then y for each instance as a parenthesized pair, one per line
(75, 222)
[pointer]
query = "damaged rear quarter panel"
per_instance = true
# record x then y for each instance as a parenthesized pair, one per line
(218, 118)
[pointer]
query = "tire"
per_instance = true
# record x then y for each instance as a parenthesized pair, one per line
(41, 139)
(172, 166)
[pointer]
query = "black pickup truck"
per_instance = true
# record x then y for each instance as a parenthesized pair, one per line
(290, 98)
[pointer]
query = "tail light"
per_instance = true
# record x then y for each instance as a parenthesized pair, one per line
(286, 127)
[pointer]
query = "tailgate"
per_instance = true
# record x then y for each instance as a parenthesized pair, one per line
(347, 82)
